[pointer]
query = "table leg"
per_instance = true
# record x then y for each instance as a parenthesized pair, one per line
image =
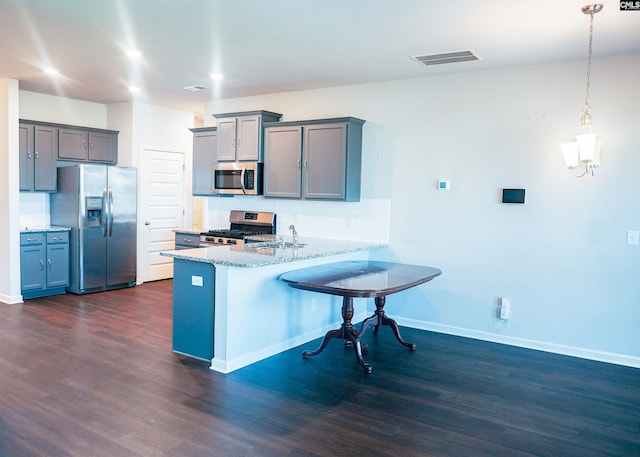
(347, 332)
(380, 318)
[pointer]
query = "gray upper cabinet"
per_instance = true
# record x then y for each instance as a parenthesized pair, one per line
(313, 160)
(88, 145)
(103, 146)
(283, 161)
(205, 145)
(38, 149)
(240, 135)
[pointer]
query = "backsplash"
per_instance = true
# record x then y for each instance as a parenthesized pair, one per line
(34, 209)
(366, 220)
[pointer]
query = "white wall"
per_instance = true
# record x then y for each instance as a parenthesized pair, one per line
(561, 258)
(9, 189)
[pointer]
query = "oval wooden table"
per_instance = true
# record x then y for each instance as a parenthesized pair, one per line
(353, 279)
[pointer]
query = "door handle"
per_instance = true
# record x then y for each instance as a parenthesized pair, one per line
(104, 217)
(147, 223)
(110, 211)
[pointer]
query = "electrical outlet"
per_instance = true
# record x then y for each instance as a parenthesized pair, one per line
(632, 237)
(505, 308)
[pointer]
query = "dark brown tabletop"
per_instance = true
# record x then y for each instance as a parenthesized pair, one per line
(360, 278)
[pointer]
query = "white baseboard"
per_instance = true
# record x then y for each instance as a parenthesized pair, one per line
(590, 354)
(11, 299)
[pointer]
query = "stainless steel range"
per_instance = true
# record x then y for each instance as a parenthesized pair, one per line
(242, 225)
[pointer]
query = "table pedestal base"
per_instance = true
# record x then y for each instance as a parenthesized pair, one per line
(346, 332)
(379, 318)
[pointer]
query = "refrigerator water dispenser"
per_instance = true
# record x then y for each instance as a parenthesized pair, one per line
(94, 211)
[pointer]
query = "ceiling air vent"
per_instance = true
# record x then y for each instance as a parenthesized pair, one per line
(195, 88)
(447, 57)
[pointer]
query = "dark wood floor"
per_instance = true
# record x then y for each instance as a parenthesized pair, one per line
(95, 376)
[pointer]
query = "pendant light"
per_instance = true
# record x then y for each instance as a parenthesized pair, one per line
(586, 149)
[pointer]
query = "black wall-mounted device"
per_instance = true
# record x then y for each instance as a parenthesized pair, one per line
(512, 195)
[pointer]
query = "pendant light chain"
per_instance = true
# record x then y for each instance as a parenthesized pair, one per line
(587, 107)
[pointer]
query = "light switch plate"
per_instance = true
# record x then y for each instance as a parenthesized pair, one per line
(632, 237)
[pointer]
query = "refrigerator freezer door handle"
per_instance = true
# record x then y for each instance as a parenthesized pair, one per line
(104, 217)
(110, 211)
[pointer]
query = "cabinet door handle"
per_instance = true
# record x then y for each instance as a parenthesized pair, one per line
(304, 166)
(90, 145)
(49, 263)
(297, 164)
(84, 144)
(36, 155)
(41, 264)
(28, 155)
(32, 239)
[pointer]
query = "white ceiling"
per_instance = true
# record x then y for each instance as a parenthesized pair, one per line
(281, 45)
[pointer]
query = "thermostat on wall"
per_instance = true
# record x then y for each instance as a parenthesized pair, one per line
(512, 195)
(443, 184)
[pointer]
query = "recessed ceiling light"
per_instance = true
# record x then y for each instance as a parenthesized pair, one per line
(134, 89)
(216, 76)
(51, 71)
(133, 53)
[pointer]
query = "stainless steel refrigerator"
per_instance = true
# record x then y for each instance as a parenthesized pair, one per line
(98, 203)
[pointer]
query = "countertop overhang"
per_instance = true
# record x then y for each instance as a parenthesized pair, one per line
(248, 256)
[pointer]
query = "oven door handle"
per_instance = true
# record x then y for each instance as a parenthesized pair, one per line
(242, 173)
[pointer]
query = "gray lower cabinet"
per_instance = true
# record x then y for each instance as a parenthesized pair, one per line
(205, 145)
(313, 160)
(88, 145)
(186, 240)
(44, 263)
(38, 151)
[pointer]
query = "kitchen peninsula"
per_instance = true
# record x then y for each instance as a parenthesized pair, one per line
(230, 308)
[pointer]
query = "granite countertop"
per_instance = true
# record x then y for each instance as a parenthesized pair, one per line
(266, 253)
(44, 228)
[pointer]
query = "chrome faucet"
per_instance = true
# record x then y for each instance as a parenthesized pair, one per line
(295, 235)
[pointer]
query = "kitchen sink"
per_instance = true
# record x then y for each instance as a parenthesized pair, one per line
(272, 244)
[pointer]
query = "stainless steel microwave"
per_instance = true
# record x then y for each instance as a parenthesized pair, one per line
(237, 178)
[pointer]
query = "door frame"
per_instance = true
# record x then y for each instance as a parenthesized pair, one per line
(143, 205)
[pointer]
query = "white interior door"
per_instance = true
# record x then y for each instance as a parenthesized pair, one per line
(162, 210)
